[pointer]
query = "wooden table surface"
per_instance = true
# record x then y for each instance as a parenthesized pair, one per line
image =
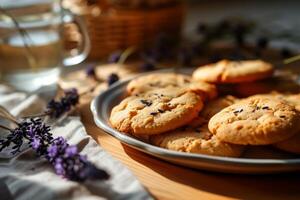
(168, 181)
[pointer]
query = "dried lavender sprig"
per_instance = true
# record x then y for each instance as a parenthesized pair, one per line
(57, 108)
(65, 158)
(30, 130)
(69, 164)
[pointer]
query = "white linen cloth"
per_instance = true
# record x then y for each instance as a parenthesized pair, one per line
(29, 177)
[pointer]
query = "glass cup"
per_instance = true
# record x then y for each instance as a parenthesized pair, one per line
(31, 42)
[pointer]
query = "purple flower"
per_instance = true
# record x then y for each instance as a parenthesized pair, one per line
(58, 166)
(69, 164)
(34, 131)
(65, 158)
(112, 79)
(36, 143)
(90, 71)
(71, 151)
(114, 57)
(57, 108)
(52, 151)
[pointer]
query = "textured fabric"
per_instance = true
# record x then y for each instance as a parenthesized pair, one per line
(30, 177)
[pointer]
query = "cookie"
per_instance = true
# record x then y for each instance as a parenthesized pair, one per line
(274, 84)
(122, 70)
(156, 111)
(196, 138)
(162, 80)
(292, 99)
(256, 121)
(290, 145)
(216, 105)
(226, 71)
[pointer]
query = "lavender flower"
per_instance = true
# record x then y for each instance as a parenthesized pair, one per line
(112, 78)
(69, 164)
(65, 158)
(90, 71)
(34, 131)
(57, 108)
(114, 57)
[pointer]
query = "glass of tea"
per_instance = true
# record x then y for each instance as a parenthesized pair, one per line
(31, 42)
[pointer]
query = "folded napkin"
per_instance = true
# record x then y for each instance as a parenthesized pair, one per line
(26, 176)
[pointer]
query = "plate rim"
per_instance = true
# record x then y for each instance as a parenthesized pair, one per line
(151, 149)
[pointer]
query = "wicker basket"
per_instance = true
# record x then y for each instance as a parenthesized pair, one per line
(115, 29)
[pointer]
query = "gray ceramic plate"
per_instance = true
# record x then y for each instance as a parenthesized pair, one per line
(102, 105)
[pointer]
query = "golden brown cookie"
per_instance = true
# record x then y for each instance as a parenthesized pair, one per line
(162, 80)
(195, 138)
(226, 71)
(292, 99)
(216, 105)
(291, 144)
(156, 111)
(256, 121)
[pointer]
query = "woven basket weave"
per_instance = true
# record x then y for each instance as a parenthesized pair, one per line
(115, 29)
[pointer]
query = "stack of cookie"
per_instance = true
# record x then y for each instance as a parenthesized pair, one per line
(184, 113)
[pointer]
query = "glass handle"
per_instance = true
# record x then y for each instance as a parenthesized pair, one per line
(69, 17)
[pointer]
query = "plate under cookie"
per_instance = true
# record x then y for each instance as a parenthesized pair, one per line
(252, 164)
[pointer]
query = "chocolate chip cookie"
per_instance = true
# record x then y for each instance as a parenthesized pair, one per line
(226, 71)
(196, 138)
(156, 111)
(256, 121)
(149, 82)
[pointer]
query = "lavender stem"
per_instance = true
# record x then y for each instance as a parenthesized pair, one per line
(36, 115)
(4, 127)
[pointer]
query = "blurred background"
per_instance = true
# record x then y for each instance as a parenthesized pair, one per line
(39, 35)
(128, 23)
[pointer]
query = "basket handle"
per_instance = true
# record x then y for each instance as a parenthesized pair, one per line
(85, 47)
